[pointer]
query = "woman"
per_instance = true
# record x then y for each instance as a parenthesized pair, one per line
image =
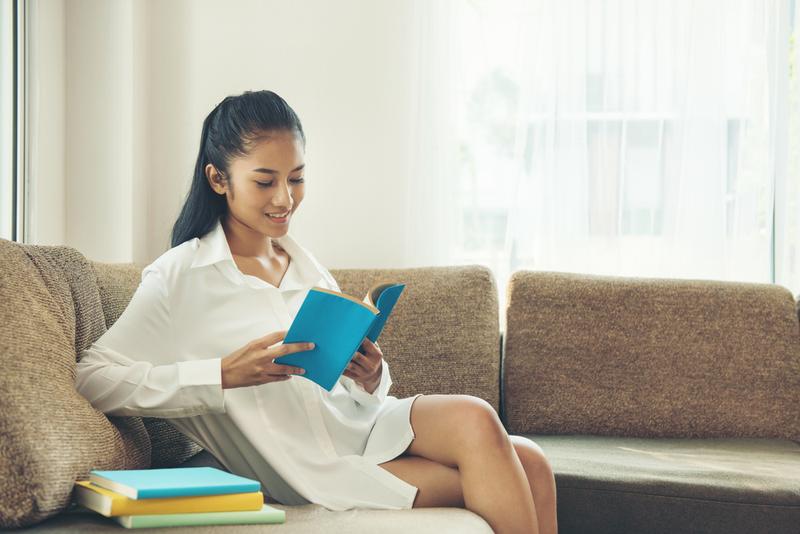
(234, 273)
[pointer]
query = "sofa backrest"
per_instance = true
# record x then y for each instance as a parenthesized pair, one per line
(442, 337)
(444, 333)
(650, 357)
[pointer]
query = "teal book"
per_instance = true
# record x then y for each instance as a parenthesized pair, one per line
(172, 482)
(267, 514)
(337, 324)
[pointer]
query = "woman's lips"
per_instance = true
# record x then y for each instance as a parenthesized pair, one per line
(280, 220)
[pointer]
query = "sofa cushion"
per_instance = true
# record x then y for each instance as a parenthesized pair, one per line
(117, 283)
(299, 520)
(650, 357)
(619, 484)
(443, 335)
(51, 436)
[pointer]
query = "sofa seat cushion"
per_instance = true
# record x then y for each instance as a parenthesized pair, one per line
(624, 484)
(299, 520)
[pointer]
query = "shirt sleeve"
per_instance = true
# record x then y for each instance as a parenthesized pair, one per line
(356, 390)
(361, 395)
(131, 370)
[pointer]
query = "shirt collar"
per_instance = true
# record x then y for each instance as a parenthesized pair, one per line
(213, 248)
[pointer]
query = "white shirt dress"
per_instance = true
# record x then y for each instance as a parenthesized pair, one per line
(162, 358)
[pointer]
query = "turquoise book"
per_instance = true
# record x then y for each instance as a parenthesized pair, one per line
(172, 482)
(267, 514)
(337, 324)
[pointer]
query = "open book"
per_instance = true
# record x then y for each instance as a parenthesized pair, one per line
(337, 324)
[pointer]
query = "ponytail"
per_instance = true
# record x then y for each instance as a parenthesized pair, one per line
(227, 132)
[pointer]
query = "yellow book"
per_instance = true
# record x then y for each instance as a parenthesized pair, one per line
(110, 503)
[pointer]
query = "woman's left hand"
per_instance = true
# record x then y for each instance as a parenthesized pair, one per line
(366, 365)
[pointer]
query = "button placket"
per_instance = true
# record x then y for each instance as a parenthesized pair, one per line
(280, 308)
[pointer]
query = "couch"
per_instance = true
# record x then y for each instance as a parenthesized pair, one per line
(663, 405)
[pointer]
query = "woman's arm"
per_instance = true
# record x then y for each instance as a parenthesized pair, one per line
(131, 370)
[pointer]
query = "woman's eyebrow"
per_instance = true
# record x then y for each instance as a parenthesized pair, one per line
(272, 171)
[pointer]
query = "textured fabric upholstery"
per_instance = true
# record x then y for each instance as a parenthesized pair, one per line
(662, 405)
(50, 436)
(650, 357)
(443, 336)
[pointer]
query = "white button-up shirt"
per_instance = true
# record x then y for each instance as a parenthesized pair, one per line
(162, 358)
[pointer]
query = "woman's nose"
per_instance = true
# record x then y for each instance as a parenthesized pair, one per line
(283, 197)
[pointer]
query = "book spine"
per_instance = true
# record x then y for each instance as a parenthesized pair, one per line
(188, 492)
(251, 502)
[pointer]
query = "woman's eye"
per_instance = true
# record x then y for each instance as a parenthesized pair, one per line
(294, 180)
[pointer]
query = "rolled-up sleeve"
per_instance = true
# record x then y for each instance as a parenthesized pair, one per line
(131, 370)
(361, 395)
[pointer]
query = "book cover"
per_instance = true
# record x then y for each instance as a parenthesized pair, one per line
(172, 482)
(267, 514)
(337, 324)
(110, 503)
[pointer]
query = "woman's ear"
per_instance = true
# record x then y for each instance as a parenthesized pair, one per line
(215, 179)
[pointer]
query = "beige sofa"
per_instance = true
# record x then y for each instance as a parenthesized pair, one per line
(663, 405)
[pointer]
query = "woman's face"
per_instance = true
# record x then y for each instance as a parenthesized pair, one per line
(268, 180)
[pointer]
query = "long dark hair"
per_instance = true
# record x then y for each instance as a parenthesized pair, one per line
(227, 131)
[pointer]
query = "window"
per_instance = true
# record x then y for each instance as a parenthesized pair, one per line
(632, 138)
(11, 123)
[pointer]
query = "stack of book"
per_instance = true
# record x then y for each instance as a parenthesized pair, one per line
(179, 496)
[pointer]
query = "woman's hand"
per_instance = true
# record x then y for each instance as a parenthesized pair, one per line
(366, 367)
(252, 364)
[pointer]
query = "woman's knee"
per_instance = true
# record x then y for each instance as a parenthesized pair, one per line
(479, 423)
(532, 456)
(449, 428)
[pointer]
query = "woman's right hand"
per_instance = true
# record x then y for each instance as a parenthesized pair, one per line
(252, 364)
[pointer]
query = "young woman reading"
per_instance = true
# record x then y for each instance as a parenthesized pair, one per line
(191, 346)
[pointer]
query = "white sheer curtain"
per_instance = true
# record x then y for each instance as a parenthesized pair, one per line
(623, 137)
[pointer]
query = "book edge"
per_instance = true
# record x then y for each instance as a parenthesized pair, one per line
(351, 298)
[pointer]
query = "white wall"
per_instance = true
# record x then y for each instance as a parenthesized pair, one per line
(139, 77)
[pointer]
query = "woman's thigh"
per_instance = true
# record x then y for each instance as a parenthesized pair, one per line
(445, 426)
(448, 426)
(438, 484)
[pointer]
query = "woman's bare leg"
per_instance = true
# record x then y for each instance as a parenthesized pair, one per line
(542, 482)
(464, 432)
(440, 485)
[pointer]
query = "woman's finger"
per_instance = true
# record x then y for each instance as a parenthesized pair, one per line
(370, 362)
(350, 374)
(373, 345)
(356, 364)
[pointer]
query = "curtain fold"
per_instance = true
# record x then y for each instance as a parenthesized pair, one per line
(623, 137)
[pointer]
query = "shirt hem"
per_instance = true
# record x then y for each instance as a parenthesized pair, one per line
(370, 465)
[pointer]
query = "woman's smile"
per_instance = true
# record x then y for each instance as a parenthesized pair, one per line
(279, 220)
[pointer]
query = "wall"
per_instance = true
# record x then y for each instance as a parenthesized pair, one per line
(124, 87)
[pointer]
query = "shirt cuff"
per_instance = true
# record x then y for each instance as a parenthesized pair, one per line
(379, 395)
(201, 382)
